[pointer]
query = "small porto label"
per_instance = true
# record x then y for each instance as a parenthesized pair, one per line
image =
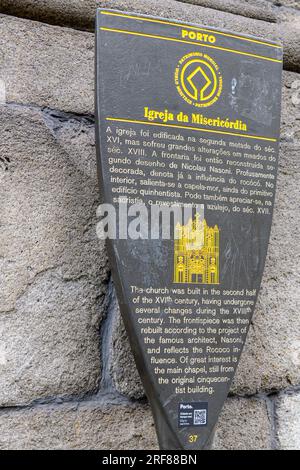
(192, 414)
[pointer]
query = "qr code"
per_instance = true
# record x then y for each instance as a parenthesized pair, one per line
(199, 417)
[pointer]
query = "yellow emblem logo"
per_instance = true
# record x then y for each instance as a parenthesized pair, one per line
(198, 79)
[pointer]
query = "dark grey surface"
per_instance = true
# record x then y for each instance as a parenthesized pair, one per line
(124, 86)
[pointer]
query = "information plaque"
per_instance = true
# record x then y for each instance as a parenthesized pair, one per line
(187, 133)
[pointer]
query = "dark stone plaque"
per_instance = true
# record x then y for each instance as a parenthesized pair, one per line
(188, 119)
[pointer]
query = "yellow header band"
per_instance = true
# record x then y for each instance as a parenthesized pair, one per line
(134, 121)
(197, 36)
(155, 36)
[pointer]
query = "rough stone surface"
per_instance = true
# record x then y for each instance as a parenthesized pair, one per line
(78, 426)
(286, 3)
(290, 33)
(259, 9)
(270, 359)
(53, 268)
(266, 10)
(81, 13)
(46, 65)
(290, 108)
(243, 424)
(122, 368)
(288, 412)
(76, 13)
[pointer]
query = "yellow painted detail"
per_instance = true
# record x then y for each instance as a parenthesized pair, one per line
(182, 25)
(136, 121)
(156, 36)
(196, 252)
(198, 94)
(198, 64)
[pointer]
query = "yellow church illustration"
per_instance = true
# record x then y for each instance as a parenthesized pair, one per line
(196, 252)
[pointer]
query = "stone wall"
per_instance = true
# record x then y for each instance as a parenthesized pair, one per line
(67, 377)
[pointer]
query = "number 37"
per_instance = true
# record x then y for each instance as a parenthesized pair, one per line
(192, 438)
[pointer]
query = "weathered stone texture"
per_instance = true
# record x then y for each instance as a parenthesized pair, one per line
(243, 424)
(122, 367)
(286, 3)
(290, 33)
(259, 9)
(290, 108)
(288, 412)
(81, 13)
(270, 360)
(75, 13)
(78, 426)
(46, 65)
(53, 267)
